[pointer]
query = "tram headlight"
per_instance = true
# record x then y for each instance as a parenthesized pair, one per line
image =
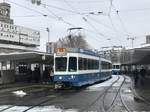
(72, 76)
(60, 77)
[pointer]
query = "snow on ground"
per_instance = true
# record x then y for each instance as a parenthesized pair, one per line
(36, 109)
(104, 84)
(19, 93)
(16, 109)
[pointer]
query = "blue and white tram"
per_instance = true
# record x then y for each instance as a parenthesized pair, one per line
(116, 69)
(78, 67)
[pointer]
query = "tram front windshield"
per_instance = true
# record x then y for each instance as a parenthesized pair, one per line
(61, 64)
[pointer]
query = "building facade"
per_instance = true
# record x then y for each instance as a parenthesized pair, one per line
(14, 36)
(16, 42)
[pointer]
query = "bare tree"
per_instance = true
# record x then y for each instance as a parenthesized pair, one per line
(73, 41)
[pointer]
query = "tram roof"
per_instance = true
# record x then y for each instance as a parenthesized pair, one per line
(82, 51)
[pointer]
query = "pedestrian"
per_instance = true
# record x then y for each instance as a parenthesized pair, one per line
(45, 75)
(148, 73)
(51, 73)
(29, 74)
(142, 76)
(136, 76)
(37, 75)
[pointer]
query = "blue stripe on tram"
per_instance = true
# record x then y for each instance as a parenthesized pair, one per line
(82, 79)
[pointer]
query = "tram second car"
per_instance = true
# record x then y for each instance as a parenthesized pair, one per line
(78, 67)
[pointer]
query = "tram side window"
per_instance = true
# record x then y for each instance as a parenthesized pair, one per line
(88, 64)
(105, 65)
(81, 64)
(72, 64)
(61, 64)
(85, 64)
(97, 64)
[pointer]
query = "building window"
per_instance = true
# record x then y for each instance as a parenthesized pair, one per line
(1, 34)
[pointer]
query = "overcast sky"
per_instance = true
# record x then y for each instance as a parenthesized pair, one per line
(128, 18)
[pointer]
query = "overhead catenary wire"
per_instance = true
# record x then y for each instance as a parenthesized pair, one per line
(30, 9)
(72, 11)
(116, 31)
(111, 1)
(86, 1)
(58, 18)
(95, 29)
(55, 16)
(96, 21)
(85, 20)
(122, 23)
(69, 5)
(22, 16)
(74, 25)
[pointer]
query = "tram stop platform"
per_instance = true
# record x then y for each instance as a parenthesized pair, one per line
(143, 90)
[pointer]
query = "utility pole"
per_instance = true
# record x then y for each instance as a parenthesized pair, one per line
(132, 39)
(48, 44)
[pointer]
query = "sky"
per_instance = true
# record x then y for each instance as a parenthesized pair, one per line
(104, 23)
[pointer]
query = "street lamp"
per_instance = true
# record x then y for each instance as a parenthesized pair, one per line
(132, 39)
(48, 31)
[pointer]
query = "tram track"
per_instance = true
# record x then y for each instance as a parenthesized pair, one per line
(45, 99)
(33, 92)
(122, 102)
(118, 101)
(30, 107)
(42, 100)
(99, 96)
(111, 105)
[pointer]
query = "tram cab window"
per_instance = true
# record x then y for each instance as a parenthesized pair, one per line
(72, 64)
(117, 66)
(114, 66)
(60, 64)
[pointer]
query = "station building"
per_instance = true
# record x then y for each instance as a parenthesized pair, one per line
(18, 48)
(136, 57)
(112, 53)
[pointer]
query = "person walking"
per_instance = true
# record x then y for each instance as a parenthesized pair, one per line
(45, 75)
(142, 76)
(136, 76)
(37, 75)
(51, 73)
(29, 75)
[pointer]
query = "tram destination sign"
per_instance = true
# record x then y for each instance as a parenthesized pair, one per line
(61, 51)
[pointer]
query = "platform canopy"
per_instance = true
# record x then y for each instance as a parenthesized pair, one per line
(29, 57)
(139, 56)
